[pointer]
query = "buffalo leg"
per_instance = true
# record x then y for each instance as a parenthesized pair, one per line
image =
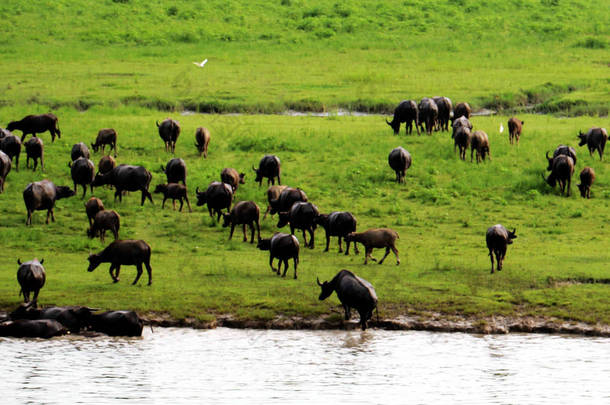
(84, 190)
(296, 262)
(311, 238)
(145, 195)
(369, 252)
(148, 270)
(266, 212)
(258, 230)
(35, 299)
(28, 221)
(387, 252)
(251, 232)
(271, 264)
(103, 235)
(491, 256)
(362, 320)
(243, 228)
(139, 268)
(187, 203)
(52, 215)
(285, 267)
(174, 204)
(26, 296)
(163, 203)
(181, 204)
(114, 277)
(115, 232)
(279, 266)
(210, 211)
(231, 233)
(328, 242)
(27, 162)
(348, 313)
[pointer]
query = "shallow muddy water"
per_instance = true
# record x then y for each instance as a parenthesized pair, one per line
(172, 365)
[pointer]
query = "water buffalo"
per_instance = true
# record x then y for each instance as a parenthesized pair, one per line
(117, 323)
(175, 171)
(445, 108)
(498, 238)
(338, 223)
(399, 160)
(302, 215)
(105, 220)
(273, 193)
(460, 122)
(562, 170)
(36, 124)
(243, 213)
(376, 238)
(231, 177)
(123, 252)
(41, 195)
(11, 145)
(480, 142)
(174, 191)
(587, 176)
(79, 150)
(38, 328)
(83, 173)
(428, 113)
(353, 292)
(106, 136)
(287, 197)
(408, 113)
(283, 247)
(462, 140)
(106, 164)
(595, 139)
(202, 140)
(72, 318)
(34, 150)
(269, 167)
(218, 196)
(31, 277)
(5, 168)
(169, 131)
(462, 110)
(126, 178)
(561, 150)
(514, 129)
(92, 207)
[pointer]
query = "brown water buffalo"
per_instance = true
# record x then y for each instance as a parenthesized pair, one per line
(41, 195)
(31, 277)
(105, 136)
(563, 168)
(269, 167)
(408, 113)
(376, 238)
(123, 252)
(11, 145)
(561, 150)
(5, 168)
(428, 113)
(79, 150)
(462, 140)
(105, 220)
(460, 122)
(217, 196)
(243, 213)
(514, 129)
(169, 131)
(126, 178)
(106, 164)
(595, 139)
(34, 150)
(587, 176)
(399, 160)
(303, 216)
(480, 142)
(338, 223)
(175, 171)
(202, 140)
(283, 247)
(273, 193)
(287, 197)
(231, 177)
(92, 207)
(445, 108)
(36, 124)
(174, 191)
(462, 110)
(83, 173)
(498, 238)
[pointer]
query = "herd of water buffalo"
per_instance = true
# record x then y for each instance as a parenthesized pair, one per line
(291, 205)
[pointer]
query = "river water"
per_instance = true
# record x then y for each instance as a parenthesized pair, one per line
(177, 366)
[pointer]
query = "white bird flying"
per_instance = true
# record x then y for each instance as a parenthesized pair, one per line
(501, 128)
(202, 64)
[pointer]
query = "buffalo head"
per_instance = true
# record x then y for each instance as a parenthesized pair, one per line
(264, 244)
(226, 219)
(327, 289)
(259, 176)
(511, 235)
(202, 197)
(393, 125)
(550, 159)
(582, 137)
(94, 261)
(64, 192)
(283, 219)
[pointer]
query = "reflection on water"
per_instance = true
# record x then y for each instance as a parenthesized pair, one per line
(255, 366)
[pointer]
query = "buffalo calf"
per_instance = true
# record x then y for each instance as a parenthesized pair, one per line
(338, 223)
(514, 129)
(31, 277)
(376, 238)
(587, 175)
(92, 207)
(243, 213)
(283, 247)
(498, 238)
(106, 136)
(174, 191)
(103, 221)
(399, 160)
(479, 142)
(202, 140)
(231, 177)
(34, 150)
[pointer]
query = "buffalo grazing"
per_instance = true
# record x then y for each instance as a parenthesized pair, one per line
(11, 145)
(480, 143)
(561, 172)
(231, 177)
(302, 215)
(83, 173)
(175, 171)
(105, 136)
(92, 207)
(376, 238)
(408, 113)
(105, 220)
(34, 150)
(5, 168)
(123, 252)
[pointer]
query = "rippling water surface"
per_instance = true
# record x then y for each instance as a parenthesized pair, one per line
(259, 366)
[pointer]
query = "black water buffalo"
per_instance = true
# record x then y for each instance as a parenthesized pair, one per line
(399, 160)
(175, 171)
(480, 142)
(126, 178)
(498, 238)
(34, 150)
(231, 177)
(376, 238)
(83, 173)
(105, 136)
(117, 323)
(38, 328)
(595, 139)
(462, 140)
(283, 247)
(268, 167)
(106, 164)
(202, 140)
(353, 292)
(5, 168)
(92, 207)
(460, 122)
(218, 196)
(123, 252)
(41, 195)
(462, 110)
(36, 124)
(11, 145)
(338, 223)
(31, 277)
(169, 131)
(105, 220)
(243, 213)
(79, 150)
(287, 197)
(408, 113)
(72, 318)
(445, 108)
(561, 150)
(302, 215)
(514, 129)
(273, 193)
(174, 191)
(563, 168)
(428, 113)
(587, 176)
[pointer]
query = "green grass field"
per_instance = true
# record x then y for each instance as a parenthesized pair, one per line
(127, 63)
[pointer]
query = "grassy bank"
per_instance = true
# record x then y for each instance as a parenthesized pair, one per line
(556, 267)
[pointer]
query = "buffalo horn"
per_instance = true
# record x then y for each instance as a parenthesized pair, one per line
(547, 155)
(318, 280)
(253, 168)
(41, 261)
(514, 230)
(197, 190)
(19, 262)
(162, 169)
(70, 165)
(157, 122)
